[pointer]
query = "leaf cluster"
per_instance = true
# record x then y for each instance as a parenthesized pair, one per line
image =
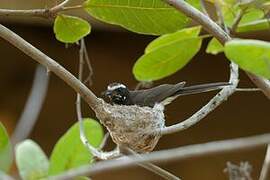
(68, 153)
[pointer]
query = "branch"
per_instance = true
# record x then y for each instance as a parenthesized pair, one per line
(83, 138)
(211, 27)
(209, 107)
(33, 105)
(207, 23)
(32, 12)
(238, 172)
(237, 20)
(262, 83)
(51, 65)
(203, 5)
(104, 141)
(265, 172)
(43, 13)
(89, 65)
(159, 171)
(149, 166)
(190, 151)
(248, 90)
(96, 152)
(220, 16)
(60, 6)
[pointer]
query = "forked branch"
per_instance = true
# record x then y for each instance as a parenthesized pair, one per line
(211, 27)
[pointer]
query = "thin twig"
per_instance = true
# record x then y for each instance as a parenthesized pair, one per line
(78, 104)
(209, 107)
(72, 8)
(95, 151)
(248, 90)
(104, 141)
(262, 83)
(89, 65)
(237, 20)
(239, 172)
(60, 6)
(33, 105)
(203, 6)
(265, 172)
(51, 65)
(220, 15)
(190, 151)
(151, 167)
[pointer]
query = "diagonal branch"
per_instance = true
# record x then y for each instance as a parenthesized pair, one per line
(196, 15)
(149, 166)
(265, 172)
(190, 151)
(211, 27)
(60, 6)
(209, 107)
(51, 65)
(33, 105)
(260, 82)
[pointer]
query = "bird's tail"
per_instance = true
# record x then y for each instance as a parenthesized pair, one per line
(201, 88)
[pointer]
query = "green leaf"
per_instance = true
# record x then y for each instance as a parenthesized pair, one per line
(70, 29)
(214, 47)
(168, 39)
(69, 152)
(153, 17)
(231, 8)
(31, 160)
(252, 15)
(5, 150)
(257, 25)
(167, 54)
(250, 55)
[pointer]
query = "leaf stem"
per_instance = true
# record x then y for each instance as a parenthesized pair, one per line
(72, 8)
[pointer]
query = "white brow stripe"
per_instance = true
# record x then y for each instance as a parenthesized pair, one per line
(111, 88)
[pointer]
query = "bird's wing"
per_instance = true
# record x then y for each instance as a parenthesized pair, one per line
(150, 97)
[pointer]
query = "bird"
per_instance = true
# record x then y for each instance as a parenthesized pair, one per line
(119, 94)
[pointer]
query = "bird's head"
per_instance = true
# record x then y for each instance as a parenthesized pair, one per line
(117, 93)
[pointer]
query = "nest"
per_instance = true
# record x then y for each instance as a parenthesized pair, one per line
(133, 126)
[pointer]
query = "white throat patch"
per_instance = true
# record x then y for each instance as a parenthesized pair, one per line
(115, 86)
